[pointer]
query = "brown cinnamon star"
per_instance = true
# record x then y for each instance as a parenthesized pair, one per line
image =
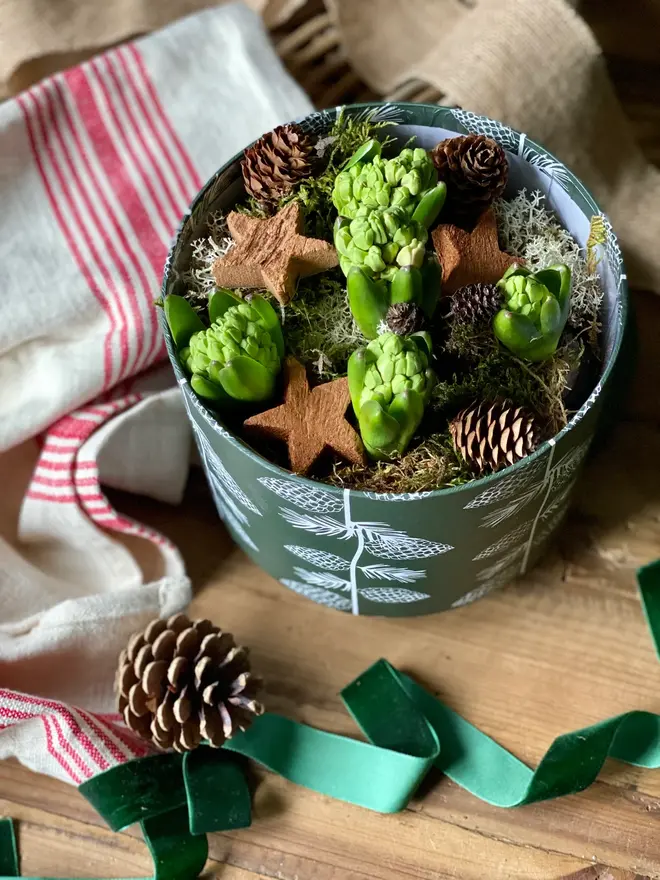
(310, 420)
(470, 257)
(272, 253)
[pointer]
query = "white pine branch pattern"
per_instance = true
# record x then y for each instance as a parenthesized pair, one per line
(376, 538)
(550, 166)
(508, 487)
(472, 596)
(475, 124)
(318, 525)
(318, 594)
(318, 557)
(512, 561)
(381, 572)
(322, 579)
(506, 541)
(222, 474)
(398, 496)
(569, 464)
(392, 595)
(231, 520)
(395, 547)
(316, 500)
(495, 517)
(218, 472)
(561, 500)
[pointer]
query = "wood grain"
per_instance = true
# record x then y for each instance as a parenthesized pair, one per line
(564, 648)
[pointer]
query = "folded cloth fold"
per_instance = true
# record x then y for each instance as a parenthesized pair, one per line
(97, 166)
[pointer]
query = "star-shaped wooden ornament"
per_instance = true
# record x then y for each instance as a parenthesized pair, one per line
(469, 257)
(310, 420)
(272, 253)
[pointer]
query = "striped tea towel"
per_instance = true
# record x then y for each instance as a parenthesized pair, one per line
(97, 166)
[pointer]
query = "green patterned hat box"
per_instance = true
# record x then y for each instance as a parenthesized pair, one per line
(404, 555)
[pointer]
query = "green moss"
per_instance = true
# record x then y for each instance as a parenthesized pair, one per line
(484, 370)
(318, 325)
(430, 464)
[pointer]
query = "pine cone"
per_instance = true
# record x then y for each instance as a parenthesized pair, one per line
(276, 162)
(475, 169)
(475, 303)
(490, 436)
(181, 681)
(404, 318)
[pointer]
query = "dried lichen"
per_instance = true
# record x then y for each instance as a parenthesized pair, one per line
(527, 229)
(318, 325)
(198, 278)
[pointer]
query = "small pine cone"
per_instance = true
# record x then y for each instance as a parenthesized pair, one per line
(404, 318)
(490, 436)
(475, 303)
(277, 161)
(181, 681)
(475, 169)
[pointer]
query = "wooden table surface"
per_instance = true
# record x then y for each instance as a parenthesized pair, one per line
(564, 648)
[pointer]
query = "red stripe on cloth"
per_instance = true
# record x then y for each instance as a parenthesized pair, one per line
(40, 480)
(132, 75)
(54, 753)
(163, 119)
(85, 87)
(44, 496)
(126, 90)
(62, 711)
(68, 749)
(64, 465)
(101, 122)
(109, 259)
(30, 110)
(125, 254)
(15, 715)
(147, 168)
(131, 747)
(59, 448)
(67, 190)
(76, 431)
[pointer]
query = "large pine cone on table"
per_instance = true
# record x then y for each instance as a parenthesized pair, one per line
(275, 163)
(490, 436)
(475, 169)
(181, 681)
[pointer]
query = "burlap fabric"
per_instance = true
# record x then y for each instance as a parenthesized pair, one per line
(534, 65)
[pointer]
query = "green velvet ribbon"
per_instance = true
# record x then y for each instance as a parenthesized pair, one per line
(179, 799)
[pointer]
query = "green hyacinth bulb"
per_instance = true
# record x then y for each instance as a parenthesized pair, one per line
(536, 307)
(238, 332)
(380, 241)
(382, 183)
(239, 356)
(390, 383)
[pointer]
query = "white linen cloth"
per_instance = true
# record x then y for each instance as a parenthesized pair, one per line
(97, 166)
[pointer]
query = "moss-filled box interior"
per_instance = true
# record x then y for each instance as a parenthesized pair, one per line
(469, 376)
